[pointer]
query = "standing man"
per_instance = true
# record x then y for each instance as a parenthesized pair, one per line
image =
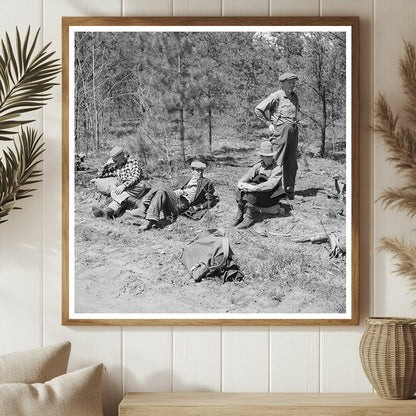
(193, 194)
(280, 111)
(260, 186)
(120, 177)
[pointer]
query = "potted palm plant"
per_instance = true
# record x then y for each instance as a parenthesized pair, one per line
(26, 77)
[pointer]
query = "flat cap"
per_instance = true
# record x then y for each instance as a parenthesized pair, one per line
(196, 164)
(116, 151)
(288, 75)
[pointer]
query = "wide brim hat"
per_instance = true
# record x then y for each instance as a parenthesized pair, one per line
(287, 76)
(115, 151)
(197, 164)
(266, 149)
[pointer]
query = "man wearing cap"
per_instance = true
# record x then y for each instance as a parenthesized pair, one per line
(260, 186)
(193, 196)
(280, 111)
(120, 177)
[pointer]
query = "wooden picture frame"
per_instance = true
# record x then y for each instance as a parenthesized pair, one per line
(95, 270)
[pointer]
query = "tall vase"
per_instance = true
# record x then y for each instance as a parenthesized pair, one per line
(388, 356)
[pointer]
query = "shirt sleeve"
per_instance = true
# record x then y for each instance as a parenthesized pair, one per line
(272, 182)
(264, 107)
(248, 177)
(107, 170)
(135, 174)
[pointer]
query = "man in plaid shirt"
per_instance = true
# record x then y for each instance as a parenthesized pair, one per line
(120, 177)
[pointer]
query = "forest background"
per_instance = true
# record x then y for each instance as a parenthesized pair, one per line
(172, 96)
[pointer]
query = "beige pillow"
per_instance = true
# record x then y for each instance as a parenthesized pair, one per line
(35, 366)
(73, 394)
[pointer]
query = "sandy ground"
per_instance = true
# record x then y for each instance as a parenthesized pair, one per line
(118, 269)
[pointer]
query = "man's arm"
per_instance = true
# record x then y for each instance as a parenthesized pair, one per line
(108, 169)
(135, 174)
(271, 183)
(262, 110)
(248, 177)
(210, 199)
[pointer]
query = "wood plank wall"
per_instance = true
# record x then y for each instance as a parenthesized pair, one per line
(244, 359)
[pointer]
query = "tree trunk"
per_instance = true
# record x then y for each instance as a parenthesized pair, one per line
(182, 133)
(324, 122)
(94, 101)
(210, 129)
(86, 116)
(181, 113)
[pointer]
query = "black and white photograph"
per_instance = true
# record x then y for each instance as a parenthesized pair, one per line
(210, 173)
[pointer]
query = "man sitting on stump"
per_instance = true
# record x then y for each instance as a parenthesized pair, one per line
(121, 178)
(193, 196)
(261, 186)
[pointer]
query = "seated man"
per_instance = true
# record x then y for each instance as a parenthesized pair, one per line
(193, 194)
(120, 177)
(260, 186)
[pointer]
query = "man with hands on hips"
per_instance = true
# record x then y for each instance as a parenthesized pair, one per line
(280, 112)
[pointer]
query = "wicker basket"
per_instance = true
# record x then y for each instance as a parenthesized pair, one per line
(388, 356)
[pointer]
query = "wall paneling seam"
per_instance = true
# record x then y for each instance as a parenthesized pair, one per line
(270, 360)
(172, 344)
(122, 360)
(221, 359)
(320, 360)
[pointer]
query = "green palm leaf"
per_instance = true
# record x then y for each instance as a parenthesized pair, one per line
(19, 169)
(25, 79)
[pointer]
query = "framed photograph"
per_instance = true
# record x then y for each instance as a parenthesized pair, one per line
(210, 171)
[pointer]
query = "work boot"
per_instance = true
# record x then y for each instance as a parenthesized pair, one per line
(290, 192)
(238, 217)
(248, 220)
(147, 225)
(109, 213)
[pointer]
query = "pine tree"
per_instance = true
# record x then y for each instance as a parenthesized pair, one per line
(324, 80)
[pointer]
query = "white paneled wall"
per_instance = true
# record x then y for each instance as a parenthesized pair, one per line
(21, 282)
(248, 359)
(245, 362)
(294, 351)
(400, 17)
(148, 359)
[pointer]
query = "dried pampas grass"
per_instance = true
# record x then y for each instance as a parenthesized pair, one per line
(401, 143)
(405, 255)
